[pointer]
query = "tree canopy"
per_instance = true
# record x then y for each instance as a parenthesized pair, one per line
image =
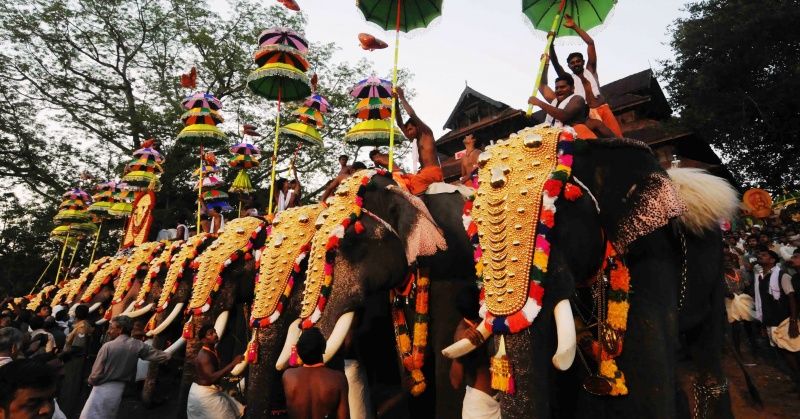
(82, 84)
(734, 79)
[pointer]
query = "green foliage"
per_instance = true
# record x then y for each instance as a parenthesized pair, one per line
(82, 84)
(734, 79)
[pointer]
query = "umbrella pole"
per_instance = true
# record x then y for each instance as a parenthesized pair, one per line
(545, 56)
(274, 156)
(394, 84)
(96, 239)
(53, 259)
(72, 258)
(200, 190)
(61, 259)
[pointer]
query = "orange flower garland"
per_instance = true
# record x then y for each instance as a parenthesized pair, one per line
(413, 353)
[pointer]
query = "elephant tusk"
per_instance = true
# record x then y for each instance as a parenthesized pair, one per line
(101, 322)
(136, 313)
(291, 339)
(565, 331)
(128, 309)
(464, 346)
(222, 321)
(94, 307)
(338, 335)
(177, 345)
(172, 315)
(239, 368)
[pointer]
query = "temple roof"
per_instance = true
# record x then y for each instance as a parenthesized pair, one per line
(470, 93)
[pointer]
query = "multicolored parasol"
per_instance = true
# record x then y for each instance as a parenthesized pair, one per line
(374, 109)
(317, 102)
(541, 13)
(209, 184)
(73, 222)
(245, 157)
(399, 15)
(372, 87)
(280, 76)
(143, 172)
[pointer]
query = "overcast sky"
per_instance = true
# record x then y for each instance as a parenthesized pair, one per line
(489, 45)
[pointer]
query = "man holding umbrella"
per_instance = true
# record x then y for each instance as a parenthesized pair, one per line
(584, 75)
(414, 129)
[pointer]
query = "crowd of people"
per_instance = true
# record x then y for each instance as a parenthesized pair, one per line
(762, 278)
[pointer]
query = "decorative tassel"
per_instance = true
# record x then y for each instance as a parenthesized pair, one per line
(572, 192)
(502, 374)
(252, 350)
(294, 358)
(188, 331)
(359, 227)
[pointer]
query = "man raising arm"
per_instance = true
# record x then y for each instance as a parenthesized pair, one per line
(565, 107)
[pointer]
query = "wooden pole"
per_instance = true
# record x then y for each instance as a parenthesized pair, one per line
(394, 85)
(200, 190)
(53, 259)
(550, 37)
(61, 259)
(274, 156)
(96, 239)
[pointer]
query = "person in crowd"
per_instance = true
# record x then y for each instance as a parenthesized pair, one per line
(27, 390)
(44, 311)
(42, 341)
(10, 344)
(50, 326)
(769, 286)
(62, 318)
(206, 398)
(738, 281)
(331, 188)
(6, 318)
(81, 330)
(423, 149)
(587, 85)
(472, 369)
(116, 365)
(216, 223)
(563, 106)
(469, 163)
(313, 390)
(182, 231)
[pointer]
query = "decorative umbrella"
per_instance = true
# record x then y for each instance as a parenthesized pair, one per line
(399, 15)
(374, 108)
(372, 132)
(317, 102)
(280, 80)
(201, 130)
(372, 87)
(310, 116)
(209, 185)
(372, 113)
(72, 223)
(587, 14)
(280, 54)
(245, 157)
(104, 200)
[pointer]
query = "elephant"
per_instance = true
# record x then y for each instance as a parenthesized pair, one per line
(674, 257)
(171, 288)
(221, 294)
(74, 288)
(130, 279)
(100, 290)
(394, 234)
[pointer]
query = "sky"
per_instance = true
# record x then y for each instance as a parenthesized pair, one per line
(488, 45)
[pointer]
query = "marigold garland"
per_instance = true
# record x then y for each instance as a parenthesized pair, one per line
(413, 354)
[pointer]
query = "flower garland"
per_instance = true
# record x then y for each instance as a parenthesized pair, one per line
(287, 292)
(244, 251)
(412, 354)
(186, 256)
(616, 322)
(332, 247)
(551, 190)
(163, 261)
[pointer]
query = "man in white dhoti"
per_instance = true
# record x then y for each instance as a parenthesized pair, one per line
(116, 365)
(206, 398)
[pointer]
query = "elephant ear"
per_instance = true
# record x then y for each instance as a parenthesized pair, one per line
(416, 227)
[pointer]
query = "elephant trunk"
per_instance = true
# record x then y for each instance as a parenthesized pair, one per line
(172, 316)
(565, 331)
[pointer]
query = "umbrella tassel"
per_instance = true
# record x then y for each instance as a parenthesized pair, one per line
(550, 37)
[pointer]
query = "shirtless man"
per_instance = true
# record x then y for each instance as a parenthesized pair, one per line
(585, 80)
(343, 174)
(414, 129)
(472, 369)
(470, 160)
(206, 399)
(565, 107)
(314, 391)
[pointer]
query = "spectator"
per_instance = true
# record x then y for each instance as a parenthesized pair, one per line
(313, 390)
(738, 281)
(206, 399)
(81, 330)
(62, 318)
(6, 318)
(42, 341)
(50, 326)
(10, 344)
(44, 311)
(116, 365)
(27, 389)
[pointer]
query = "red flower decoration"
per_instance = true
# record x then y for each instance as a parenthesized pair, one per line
(547, 218)
(572, 192)
(553, 187)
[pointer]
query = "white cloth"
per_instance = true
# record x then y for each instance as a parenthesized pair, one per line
(562, 105)
(5, 360)
(50, 347)
(210, 402)
(357, 390)
(758, 277)
(163, 234)
(185, 232)
(217, 229)
(740, 308)
(780, 337)
(414, 156)
(283, 200)
(479, 405)
(57, 412)
(441, 187)
(104, 401)
(580, 90)
(775, 283)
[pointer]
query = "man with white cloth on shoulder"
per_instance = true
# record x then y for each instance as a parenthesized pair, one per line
(116, 365)
(206, 398)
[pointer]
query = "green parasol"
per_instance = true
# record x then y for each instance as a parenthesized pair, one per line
(399, 15)
(546, 15)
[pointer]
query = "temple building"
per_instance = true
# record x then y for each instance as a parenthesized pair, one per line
(637, 101)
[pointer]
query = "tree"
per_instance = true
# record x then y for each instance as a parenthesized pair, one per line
(735, 80)
(82, 84)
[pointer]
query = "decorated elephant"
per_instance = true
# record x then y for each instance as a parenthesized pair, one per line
(170, 283)
(100, 289)
(371, 237)
(221, 295)
(552, 214)
(130, 279)
(73, 289)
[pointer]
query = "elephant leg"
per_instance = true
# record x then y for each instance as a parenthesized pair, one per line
(264, 388)
(444, 317)
(529, 356)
